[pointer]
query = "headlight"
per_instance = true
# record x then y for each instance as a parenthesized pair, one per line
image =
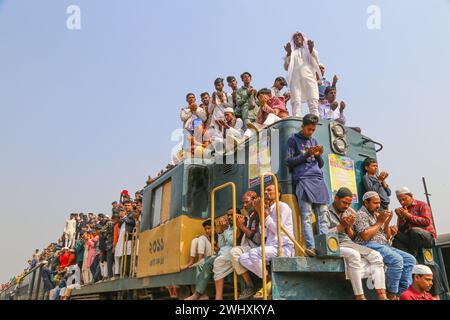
(340, 145)
(338, 130)
(332, 244)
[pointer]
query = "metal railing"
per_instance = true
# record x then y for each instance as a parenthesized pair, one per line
(133, 237)
(213, 192)
(280, 229)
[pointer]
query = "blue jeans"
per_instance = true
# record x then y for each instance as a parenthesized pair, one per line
(399, 267)
(307, 209)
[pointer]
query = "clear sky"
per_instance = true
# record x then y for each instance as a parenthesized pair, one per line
(87, 113)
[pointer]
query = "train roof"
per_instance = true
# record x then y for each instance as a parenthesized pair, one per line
(443, 239)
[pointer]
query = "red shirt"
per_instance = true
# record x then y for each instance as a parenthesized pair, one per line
(419, 216)
(64, 260)
(412, 294)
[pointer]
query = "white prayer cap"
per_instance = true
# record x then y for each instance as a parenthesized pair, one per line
(45, 262)
(228, 110)
(403, 190)
(421, 269)
(370, 195)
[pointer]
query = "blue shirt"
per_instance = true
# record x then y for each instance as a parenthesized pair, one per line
(306, 170)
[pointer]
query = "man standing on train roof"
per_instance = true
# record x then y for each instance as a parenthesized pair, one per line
(360, 261)
(373, 231)
(246, 100)
(324, 83)
(415, 231)
(304, 159)
(191, 114)
(220, 100)
(302, 64)
(234, 86)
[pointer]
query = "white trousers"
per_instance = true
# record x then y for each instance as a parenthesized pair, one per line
(200, 245)
(252, 260)
(116, 265)
(313, 105)
(358, 268)
(235, 254)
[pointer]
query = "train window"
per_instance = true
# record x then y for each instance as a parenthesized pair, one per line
(197, 195)
(156, 206)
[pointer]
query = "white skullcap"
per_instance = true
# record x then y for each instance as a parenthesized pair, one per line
(403, 190)
(370, 195)
(45, 262)
(421, 269)
(228, 110)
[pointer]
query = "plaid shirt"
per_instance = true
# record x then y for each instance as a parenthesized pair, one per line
(419, 216)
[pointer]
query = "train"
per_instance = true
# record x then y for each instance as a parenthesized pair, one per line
(178, 201)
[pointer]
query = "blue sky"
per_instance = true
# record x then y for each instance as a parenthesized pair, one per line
(90, 112)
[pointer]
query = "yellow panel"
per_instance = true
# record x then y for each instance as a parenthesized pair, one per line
(165, 212)
(176, 236)
(291, 201)
(190, 228)
(159, 250)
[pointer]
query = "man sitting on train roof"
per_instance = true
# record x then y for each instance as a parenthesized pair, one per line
(373, 182)
(249, 225)
(373, 231)
(360, 261)
(304, 159)
(422, 282)
(252, 260)
(200, 246)
(205, 269)
(230, 130)
(415, 231)
(278, 85)
(324, 83)
(330, 109)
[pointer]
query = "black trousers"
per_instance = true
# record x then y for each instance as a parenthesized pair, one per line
(110, 262)
(413, 240)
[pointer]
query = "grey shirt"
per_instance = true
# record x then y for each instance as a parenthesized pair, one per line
(333, 219)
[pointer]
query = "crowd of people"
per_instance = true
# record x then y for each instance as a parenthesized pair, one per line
(370, 245)
(225, 119)
(90, 249)
(92, 245)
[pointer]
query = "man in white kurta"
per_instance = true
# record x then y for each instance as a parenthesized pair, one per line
(69, 232)
(302, 64)
(220, 100)
(252, 260)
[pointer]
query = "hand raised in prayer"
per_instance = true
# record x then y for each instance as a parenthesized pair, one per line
(383, 216)
(318, 151)
(334, 105)
(342, 106)
(394, 230)
(287, 96)
(193, 107)
(335, 80)
(240, 221)
(401, 212)
(288, 49)
(310, 45)
(350, 220)
(221, 97)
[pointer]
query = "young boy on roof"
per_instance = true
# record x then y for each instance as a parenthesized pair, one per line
(373, 182)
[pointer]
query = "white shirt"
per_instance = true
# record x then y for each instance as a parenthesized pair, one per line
(327, 113)
(217, 111)
(286, 222)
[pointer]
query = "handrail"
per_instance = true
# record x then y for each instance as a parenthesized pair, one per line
(279, 228)
(134, 242)
(213, 193)
(124, 254)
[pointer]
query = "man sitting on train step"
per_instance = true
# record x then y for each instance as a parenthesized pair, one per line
(205, 269)
(304, 158)
(200, 246)
(373, 231)
(252, 260)
(251, 238)
(415, 231)
(360, 261)
(373, 182)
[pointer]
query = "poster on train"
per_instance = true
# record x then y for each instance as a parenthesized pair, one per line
(259, 161)
(342, 174)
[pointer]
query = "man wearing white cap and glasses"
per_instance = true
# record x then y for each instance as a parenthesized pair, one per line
(422, 282)
(228, 131)
(373, 231)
